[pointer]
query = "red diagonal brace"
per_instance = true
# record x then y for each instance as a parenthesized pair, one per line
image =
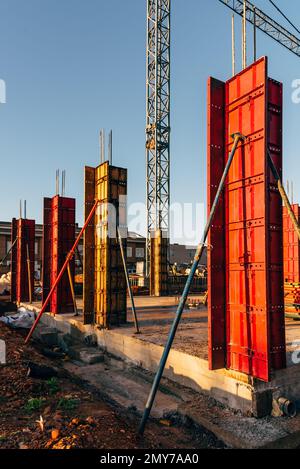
(69, 257)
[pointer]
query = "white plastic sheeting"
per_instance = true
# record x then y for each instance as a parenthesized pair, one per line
(23, 319)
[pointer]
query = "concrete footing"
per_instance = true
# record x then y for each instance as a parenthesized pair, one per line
(234, 390)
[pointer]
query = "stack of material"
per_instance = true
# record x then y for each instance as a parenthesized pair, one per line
(292, 297)
(5, 284)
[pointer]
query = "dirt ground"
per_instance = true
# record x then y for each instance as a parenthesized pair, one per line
(63, 413)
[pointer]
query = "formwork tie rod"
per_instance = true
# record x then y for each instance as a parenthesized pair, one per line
(237, 138)
(62, 271)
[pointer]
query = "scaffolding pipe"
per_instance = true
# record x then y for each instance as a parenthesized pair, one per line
(254, 35)
(237, 138)
(58, 278)
(137, 329)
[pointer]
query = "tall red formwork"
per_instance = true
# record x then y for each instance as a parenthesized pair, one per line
(254, 306)
(59, 237)
(216, 237)
(291, 246)
(13, 260)
(24, 231)
(47, 243)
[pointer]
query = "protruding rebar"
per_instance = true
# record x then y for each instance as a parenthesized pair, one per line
(244, 51)
(233, 44)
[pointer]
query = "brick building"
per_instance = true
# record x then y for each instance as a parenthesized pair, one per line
(136, 250)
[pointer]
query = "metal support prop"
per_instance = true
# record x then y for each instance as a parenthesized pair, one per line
(237, 138)
(254, 35)
(79, 257)
(72, 290)
(284, 195)
(58, 278)
(29, 274)
(9, 251)
(128, 285)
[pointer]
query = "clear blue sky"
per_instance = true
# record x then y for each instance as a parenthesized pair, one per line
(74, 66)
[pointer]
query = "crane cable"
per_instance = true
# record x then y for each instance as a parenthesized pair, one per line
(284, 16)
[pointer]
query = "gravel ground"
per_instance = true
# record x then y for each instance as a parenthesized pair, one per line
(61, 413)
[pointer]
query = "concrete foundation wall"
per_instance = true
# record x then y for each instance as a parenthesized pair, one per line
(234, 390)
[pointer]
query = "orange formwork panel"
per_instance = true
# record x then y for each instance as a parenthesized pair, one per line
(291, 246)
(254, 300)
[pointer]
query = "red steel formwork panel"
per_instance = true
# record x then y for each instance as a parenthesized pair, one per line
(24, 231)
(254, 311)
(59, 237)
(216, 237)
(13, 260)
(291, 246)
(47, 243)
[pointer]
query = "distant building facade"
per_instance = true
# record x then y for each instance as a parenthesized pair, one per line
(136, 251)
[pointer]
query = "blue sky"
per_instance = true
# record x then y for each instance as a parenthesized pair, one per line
(74, 66)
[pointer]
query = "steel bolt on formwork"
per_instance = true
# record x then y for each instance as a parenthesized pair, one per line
(237, 138)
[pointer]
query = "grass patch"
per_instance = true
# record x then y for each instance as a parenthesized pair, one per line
(53, 386)
(34, 404)
(68, 404)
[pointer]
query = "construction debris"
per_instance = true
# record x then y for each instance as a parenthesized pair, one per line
(292, 297)
(23, 319)
(5, 284)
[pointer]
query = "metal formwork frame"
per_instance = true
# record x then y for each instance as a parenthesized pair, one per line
(158, 119)
(104, 284)
(58, 239)
(24, 231)
(159, 265)
(254, 309)
(291, 246)
(216, 237)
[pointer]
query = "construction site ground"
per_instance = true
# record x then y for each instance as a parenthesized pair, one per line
(109, 394)
(66, 412)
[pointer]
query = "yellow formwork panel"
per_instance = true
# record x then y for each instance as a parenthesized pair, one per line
(109, 280)
(159, 264)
